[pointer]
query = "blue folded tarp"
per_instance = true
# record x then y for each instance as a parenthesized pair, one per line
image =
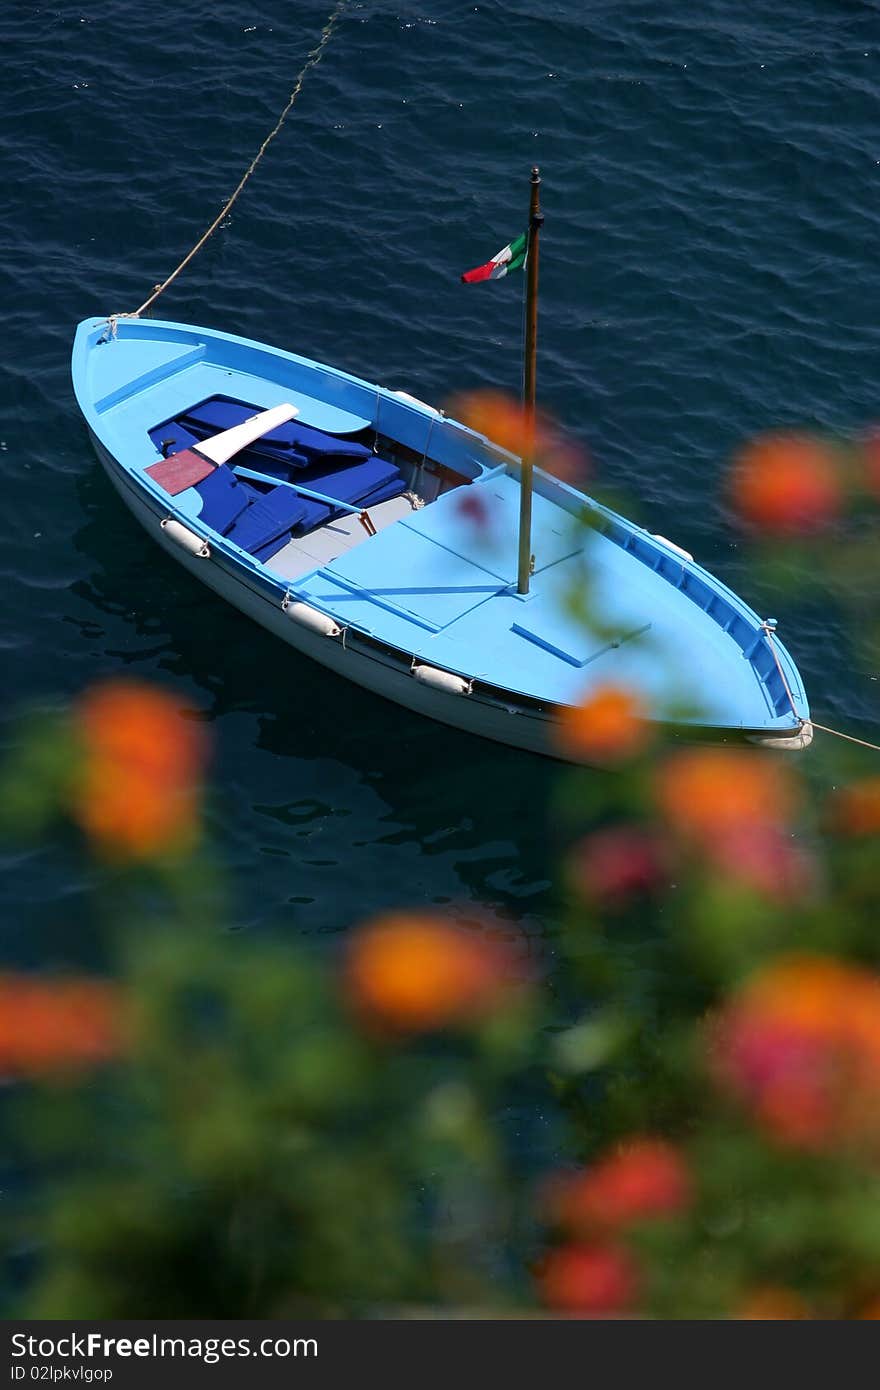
(291, 443)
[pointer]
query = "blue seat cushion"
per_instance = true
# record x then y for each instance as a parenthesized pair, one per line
(224, 498)
(292, 442)
(267, 518)
(314, 514)
(384, 494)
(359, 485)
(352, 483)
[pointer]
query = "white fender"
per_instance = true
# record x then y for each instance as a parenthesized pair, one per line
(442, 680)
(188, 540)
(312, 618)
(423, 405)
(794, 743)
(679, 549)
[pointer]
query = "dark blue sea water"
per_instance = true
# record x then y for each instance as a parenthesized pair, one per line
(710, 268)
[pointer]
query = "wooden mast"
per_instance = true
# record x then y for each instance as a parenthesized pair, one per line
(536, 218)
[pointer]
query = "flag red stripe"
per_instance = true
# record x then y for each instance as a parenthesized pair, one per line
(482, 272)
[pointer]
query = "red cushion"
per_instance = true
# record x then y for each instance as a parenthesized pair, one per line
(180, 471)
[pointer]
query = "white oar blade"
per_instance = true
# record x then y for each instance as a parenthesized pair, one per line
(222, 447)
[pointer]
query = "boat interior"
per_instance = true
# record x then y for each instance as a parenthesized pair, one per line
(298, 497)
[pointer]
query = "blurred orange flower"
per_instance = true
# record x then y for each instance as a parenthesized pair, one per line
(608, 726)
(614, 865)
(799, 1046)
(642, 1179)
(57, 1025)
(416, 972)
(138, 790)
(589, 1280)
(773, 1303)
(704, 792)
(855, 810)
(786, 484)
(505, 421)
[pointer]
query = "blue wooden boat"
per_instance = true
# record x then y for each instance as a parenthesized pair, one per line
(379, 537)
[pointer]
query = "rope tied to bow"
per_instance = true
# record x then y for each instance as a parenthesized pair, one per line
(769, 628)
(312, 60)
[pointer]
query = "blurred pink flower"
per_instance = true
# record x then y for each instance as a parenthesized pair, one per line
(764, 858)
(799, 1045)
(614, 865)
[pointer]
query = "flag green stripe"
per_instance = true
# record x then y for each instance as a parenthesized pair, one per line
(517, 252)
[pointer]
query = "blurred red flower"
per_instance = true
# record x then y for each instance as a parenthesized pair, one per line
(589, 1280)
(707, 792)
(471, 504)
(415, 972)
(614, 865)
(645, 1178)
(799, 1046)
(608, 726)
(138, 789)
(786, 484)
(57, 1026)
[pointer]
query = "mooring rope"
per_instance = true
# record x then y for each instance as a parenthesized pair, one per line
(311, 61)
(768, 629)
(862, 742)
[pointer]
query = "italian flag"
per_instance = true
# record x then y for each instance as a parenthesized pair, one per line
(513, 257)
